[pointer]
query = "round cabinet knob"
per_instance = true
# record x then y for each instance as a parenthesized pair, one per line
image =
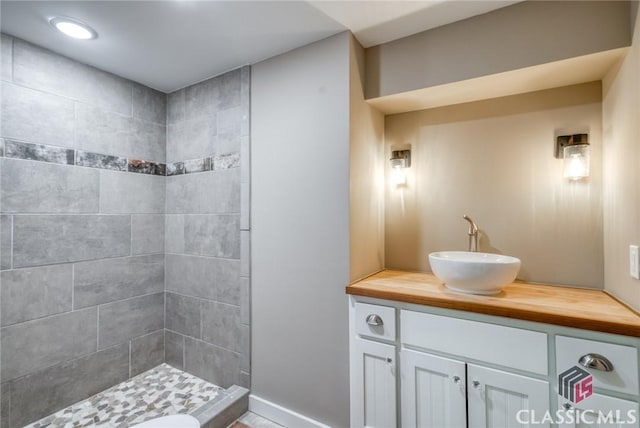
(476, 384)
(457, 380)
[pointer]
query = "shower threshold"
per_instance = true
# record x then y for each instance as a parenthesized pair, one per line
(161, 391)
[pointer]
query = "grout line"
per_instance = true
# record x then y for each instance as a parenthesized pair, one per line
(97, 328)
(11, 249)
(73, 280)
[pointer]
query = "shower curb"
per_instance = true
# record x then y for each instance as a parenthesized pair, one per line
(222, 413)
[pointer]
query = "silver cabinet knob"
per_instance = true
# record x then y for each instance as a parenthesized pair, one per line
(596, 362)
(374, 319)
(476, 384)
(457, 380)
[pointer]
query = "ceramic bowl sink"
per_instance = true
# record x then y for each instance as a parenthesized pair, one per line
(474, 273)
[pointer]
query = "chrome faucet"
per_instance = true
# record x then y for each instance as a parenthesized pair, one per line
(473, 234)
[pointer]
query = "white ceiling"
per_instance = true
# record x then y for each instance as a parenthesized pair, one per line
(173, 43)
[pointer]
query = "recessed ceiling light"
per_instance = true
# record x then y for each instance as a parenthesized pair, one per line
(73, 28)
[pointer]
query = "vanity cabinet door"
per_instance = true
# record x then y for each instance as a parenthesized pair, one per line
(373, 385)
(433, 391)
(496, 398)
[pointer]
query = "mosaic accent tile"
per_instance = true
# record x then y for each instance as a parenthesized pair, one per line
(161, 391)
(231, 160)
(145, 167)
(197, 165)
(96, 160)
(38, 152)
(175, 168)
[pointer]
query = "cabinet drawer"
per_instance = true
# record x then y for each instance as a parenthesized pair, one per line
(623, 378)
(367, 316)
(505, 346)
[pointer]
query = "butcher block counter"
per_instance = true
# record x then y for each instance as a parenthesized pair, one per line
(563, 306)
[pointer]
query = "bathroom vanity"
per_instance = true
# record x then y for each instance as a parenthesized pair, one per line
(424, 356)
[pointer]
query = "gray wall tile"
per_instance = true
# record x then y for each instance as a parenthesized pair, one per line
(5, 404)
(147, 233)
(41, 69)
(221, 325)
(149, 104)
(42, 393)
(41, 187)
(27, 294)
(245, 253)
(34, 345)
(131, 193)
(191, 139)
(227, 191)
(147, 352)
(216, 192)
(212, 235)
(126, 319)
(191, 193)
(176, 106)
(183, 314)
(148, 141)
(245, 301)
(174, 349)
(104, 281)
(245, 100)
(47, 239)
(22, 107)
(5, 242)
(210, 278)
(174, 233)
(219, 93)
(6, 49)
(229, 128)
(217, 365)
(103, 131)
(245, 206)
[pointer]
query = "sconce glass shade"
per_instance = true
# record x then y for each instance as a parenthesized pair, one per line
(576, 161)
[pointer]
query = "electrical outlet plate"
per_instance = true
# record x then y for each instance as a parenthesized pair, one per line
(634, 261)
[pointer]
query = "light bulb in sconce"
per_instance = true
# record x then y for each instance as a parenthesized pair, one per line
(574, 150)
(400, 161)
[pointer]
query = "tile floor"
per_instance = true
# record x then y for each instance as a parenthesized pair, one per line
(161, 391)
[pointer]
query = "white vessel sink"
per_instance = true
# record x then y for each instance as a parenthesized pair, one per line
(474, 273)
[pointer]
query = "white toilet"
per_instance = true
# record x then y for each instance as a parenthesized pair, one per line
(174, 421)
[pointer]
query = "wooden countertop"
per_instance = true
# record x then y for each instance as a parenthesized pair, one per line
(570, 307)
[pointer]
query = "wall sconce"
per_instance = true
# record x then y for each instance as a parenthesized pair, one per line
(400, 161)
(574, 149)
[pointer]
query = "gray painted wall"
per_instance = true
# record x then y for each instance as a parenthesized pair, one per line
(82, 285)
(300, 229)
(525, 34)
(207, 275)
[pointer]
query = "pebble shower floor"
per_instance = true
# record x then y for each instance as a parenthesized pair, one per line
(161, 391)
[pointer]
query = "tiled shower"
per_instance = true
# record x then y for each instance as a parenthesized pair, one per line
(124, 230)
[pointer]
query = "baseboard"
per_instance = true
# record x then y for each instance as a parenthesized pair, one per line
(281, 415)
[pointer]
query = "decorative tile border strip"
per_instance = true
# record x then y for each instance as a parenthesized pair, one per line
(212, 163)
(52, 154)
